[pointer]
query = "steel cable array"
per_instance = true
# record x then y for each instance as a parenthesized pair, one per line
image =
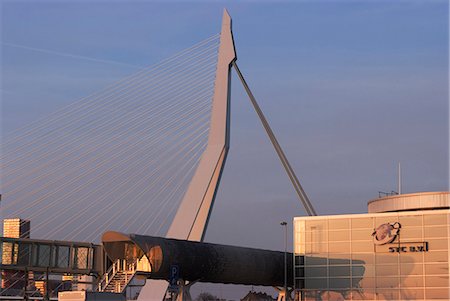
(119, 159)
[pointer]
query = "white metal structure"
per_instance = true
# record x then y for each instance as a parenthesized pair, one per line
(191, 219)
(192, 216)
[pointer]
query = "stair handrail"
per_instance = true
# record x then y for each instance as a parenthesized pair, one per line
(130, 269)
(109, 275)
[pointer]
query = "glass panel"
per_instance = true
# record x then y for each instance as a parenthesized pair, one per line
(34, 255)
(379, 220)
(338, 223)
(300, 272)
(412, 281)
(316, 283)
(365, 247)
(367, 282)
(388, 282)
(299, 248)
(362, 223)
(24, 254)
(437, 244)
(410, 233)
(299, 225)
(341, 235)
(316, 225)
(412, 294)
(82, 258)
(315, 236)
(340, 283)
(339, 247)
(331, 295)
(387, 258)
(364, 235)
(357, 262)
(337, 259)
(63, 257)
(436, 281)
(437, 294)
(316, 248)
(315, 260)
(364, 258)
(358, 271)
(44, 255)
(436, 269)
(411, 269)
(339, 271)
(435, 219)
(410, 221)
(384, 248)
(299, 283)
(299, 260)
(435, 231)
(369, 270)
(364, 294)
(412, 258)
(299, 237)
(388, 294)
(316, 271)
(386, 270)
(436, 256)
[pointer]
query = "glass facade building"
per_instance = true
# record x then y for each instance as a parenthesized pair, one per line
(376, 256)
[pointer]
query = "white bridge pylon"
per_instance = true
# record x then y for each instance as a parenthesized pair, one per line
(191, 219)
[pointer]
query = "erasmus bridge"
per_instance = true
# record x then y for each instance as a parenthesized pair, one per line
(143, 156)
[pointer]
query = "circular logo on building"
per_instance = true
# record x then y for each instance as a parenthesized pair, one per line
(386, 233)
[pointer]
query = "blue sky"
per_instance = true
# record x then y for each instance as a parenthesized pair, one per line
(349, 87)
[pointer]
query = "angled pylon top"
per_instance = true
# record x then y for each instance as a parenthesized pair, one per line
(192, 217)
(227, 54)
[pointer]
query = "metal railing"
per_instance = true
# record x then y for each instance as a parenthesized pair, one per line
(122, 266)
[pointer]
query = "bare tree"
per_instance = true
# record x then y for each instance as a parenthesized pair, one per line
(206, 297)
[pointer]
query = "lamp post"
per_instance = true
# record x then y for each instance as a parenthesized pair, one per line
(284, 224)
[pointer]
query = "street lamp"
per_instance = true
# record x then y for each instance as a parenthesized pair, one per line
(284, 224)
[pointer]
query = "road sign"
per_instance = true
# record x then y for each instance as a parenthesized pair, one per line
(174, 276)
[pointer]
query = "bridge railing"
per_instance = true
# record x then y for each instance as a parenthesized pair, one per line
(109, 274)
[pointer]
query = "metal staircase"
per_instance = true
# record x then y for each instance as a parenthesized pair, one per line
(116, 279)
